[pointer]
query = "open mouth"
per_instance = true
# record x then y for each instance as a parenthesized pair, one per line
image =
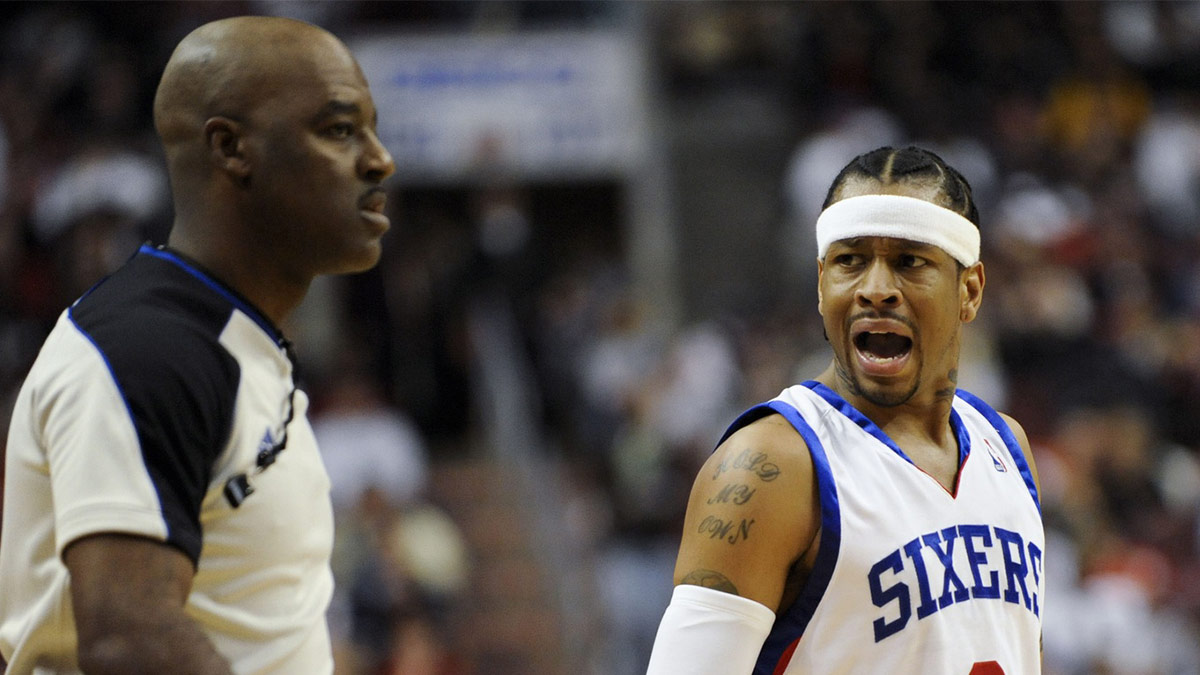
(882, 347)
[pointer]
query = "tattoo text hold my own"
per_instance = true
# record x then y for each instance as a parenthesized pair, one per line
(736, 493)
(754, 462)
(716, 528)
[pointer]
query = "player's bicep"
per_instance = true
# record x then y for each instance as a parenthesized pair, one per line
(1023, 440)
(751, 514)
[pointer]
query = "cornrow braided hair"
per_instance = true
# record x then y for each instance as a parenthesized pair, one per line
(914, 165)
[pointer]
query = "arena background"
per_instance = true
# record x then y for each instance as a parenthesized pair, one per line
(602, 251)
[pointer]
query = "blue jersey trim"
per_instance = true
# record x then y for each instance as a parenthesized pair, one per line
(791, 622)
(1010, 440)
(855, 415)
(103, 357)
(245, 307)
(98, 284)
(120, 392)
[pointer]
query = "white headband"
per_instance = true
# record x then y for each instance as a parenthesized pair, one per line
(899, 218)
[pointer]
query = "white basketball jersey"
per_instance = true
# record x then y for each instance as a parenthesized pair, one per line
(909, 577)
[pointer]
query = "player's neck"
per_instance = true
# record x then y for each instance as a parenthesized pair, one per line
(924, 415)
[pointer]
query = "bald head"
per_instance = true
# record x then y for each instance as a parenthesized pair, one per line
(269, 130)
(231, 67)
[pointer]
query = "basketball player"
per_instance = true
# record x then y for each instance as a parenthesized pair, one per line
(875, 519)
(166, 510)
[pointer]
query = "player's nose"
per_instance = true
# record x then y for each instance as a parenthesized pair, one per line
(878, 287)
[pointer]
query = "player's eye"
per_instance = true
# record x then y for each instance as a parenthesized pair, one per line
(848, 259)
(909, 260)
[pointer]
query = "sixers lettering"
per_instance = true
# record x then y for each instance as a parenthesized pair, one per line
(1018, 563)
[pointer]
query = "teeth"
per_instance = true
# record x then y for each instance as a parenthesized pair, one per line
(878, 359)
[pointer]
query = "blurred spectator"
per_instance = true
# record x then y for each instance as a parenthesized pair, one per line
(100, 179)
(822, 154)
(1118, 600)
(427, 271)
(1153, 36)
(1166, 162)
(398, 562)
(613, 366)
(699, 386)
(94, 212)
(368, 445)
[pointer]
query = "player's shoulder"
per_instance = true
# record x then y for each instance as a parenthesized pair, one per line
(1022, 438)
(772, 431)
(1015, 427)
(753, 509)
(995, 417)
(768, 447)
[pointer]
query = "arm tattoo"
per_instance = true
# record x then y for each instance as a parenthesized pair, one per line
(710, 579)
(719, 528)
(735, 493)
(754, 462)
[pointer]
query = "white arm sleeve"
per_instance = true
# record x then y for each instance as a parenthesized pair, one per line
(709, 632)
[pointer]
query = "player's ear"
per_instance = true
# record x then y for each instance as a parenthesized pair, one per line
(970, 292)
(226, 143)
(820, 295)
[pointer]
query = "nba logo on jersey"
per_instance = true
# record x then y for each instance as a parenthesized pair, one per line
(267, 442)
(997, 459)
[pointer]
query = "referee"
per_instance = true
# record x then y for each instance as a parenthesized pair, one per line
(165, 507)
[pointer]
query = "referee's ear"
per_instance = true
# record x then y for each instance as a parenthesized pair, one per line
(226, 144)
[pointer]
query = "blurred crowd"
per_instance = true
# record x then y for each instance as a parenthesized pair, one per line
(1078, 125)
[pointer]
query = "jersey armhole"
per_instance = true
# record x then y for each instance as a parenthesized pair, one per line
(1010, 441)
(792, 621)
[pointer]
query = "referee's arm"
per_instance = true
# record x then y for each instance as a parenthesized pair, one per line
(128, 594)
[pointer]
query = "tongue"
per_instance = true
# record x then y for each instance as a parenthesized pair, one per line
(886, 346)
